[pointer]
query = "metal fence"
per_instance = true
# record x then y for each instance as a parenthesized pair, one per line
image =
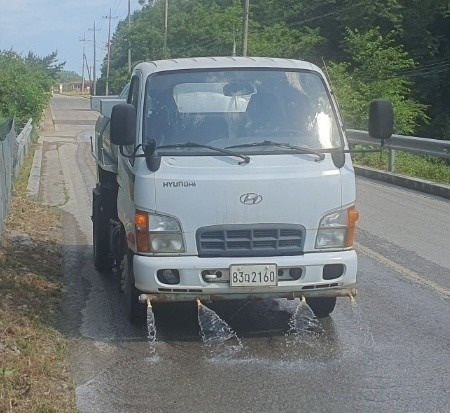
(13, 149)
(422, 146)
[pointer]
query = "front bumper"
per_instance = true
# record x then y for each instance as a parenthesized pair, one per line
(192, 284)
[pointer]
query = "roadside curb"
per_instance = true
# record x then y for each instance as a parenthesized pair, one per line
(35, 175)
(53, 118)
(416, 184)
(34, 180)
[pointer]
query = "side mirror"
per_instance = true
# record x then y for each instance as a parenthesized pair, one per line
(381, 119)
(123, 124)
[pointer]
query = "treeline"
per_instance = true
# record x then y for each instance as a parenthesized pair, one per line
(395, 49)
(26, 84)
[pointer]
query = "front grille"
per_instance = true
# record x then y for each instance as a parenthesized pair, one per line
(250, 240)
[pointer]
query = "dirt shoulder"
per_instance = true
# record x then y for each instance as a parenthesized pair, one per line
(33, 373)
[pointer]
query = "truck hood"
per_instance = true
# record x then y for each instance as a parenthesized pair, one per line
(208, 190)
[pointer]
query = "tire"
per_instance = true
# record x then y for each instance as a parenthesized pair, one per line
(135, 310)
(321, 306)
(100, 241)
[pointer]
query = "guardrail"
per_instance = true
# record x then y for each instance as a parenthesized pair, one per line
(423, 146)
(13, 149)
(23, 143)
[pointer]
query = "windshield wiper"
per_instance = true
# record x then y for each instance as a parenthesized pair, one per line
(300, 149)
(245, 158)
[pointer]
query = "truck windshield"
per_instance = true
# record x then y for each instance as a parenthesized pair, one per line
(239, 108)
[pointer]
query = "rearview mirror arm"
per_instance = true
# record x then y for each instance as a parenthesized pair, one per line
(133, 155)
(153, 162)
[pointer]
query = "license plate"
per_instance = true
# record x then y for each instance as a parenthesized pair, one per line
(253, 275)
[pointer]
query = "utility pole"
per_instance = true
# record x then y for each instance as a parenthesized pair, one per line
(129, 34)
(84, 40)
(94, 74)
(109, 50)
(245, 39)
(87, 68)
(166, 21)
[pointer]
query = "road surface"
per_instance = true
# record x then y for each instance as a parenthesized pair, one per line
(388, 353)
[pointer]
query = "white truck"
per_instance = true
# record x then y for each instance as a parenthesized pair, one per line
(227, 178)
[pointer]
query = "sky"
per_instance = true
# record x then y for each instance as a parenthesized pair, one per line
(44, 26)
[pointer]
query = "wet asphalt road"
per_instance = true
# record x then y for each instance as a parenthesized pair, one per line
(388, 353)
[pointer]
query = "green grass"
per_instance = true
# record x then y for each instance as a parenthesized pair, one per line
(418, 166)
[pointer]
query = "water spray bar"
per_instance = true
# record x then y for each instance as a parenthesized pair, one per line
(174, 296)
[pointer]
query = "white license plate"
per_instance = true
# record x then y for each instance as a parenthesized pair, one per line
(253, 275)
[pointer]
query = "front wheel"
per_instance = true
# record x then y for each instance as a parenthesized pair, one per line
(134, 308)
(321, 306)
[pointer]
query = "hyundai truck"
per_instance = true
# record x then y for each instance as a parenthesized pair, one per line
(227, 178)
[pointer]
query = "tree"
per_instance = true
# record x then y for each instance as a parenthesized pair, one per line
(280, 40)
(196, 28)
(47, 63)
(65, 76)
(24, 88)
(374, 70)
(314, 30)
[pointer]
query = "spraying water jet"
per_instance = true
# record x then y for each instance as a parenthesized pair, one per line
(303, 321)
(212, 328)
(151, 325)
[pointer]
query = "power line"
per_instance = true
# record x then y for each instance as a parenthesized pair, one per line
(115, 6)
(424, 68)
(306, 10)
(426, 73)
(331, 13)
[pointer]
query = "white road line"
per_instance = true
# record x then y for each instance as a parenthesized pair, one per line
(405, 272)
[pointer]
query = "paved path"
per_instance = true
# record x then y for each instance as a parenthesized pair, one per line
(388, 353)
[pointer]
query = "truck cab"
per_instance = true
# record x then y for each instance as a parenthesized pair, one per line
(230, 179)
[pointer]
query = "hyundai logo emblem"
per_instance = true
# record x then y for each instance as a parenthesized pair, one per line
(251, 198)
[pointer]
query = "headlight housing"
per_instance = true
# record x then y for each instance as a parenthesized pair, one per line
(156, 233)
(337, 228)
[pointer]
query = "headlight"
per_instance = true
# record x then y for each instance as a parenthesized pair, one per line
(160, 223)
(337, 229)
(166, 242)
(157, 233)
